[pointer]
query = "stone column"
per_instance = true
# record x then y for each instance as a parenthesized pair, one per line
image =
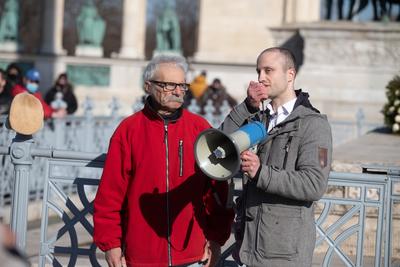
(53, 27)
(301, 11)
(241, 27)
(133, 29)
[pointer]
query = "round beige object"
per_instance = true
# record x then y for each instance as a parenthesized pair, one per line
(26, 114)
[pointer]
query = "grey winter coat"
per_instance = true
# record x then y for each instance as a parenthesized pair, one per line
(276, 214)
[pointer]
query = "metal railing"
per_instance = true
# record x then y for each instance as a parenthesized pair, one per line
(90, 133)
(71, 179)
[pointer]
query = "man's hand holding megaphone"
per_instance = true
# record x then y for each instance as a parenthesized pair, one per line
(256, 95)
(250, 163)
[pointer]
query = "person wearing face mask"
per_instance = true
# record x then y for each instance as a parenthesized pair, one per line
(31, 85)
(14, 75)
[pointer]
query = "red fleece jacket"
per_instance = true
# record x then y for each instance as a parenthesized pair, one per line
(152, 199)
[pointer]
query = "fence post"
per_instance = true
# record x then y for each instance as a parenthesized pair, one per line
(59, 133)
(88, 138)
(22, 159)
(114, 107)
(360, 120)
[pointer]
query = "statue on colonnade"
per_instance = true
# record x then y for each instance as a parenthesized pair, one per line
(91, 27)
(9, 22)
(168, 33)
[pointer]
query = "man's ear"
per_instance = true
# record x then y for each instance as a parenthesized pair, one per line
(291, 74)
(146, 86)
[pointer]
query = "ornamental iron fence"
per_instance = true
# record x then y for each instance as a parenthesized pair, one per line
(343, 222)
(89, 133)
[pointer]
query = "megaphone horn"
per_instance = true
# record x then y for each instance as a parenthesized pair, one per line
(218, 154)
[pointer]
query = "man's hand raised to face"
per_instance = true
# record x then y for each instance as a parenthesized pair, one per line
(256, 93)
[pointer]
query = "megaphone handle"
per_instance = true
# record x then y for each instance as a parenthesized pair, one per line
(263, 105)
(231, 192)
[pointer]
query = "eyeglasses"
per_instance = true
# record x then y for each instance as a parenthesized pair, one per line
(170, 86)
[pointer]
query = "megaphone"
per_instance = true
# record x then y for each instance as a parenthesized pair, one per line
(218, 154)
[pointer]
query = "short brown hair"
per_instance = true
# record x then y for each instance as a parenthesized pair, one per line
(288, 55)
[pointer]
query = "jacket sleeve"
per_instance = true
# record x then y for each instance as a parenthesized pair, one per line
(109, 201)
(219, 218)
(49, 96)
(308, 181)
(46, 108)
(236, 118)
(72, 103)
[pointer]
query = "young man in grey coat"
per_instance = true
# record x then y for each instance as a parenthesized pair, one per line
(275, 220)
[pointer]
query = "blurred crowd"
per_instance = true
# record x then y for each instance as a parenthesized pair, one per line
(58, 101)
(202, 93)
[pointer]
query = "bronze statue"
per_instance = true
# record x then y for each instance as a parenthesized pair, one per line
(91, 27)
(168, 32)
(9, 21)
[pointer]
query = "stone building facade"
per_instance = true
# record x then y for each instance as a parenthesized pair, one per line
(344, 65)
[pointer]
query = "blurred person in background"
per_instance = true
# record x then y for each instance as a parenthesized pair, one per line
(62, 89)
(196, 89)
(217, 93)
(5, 95)
(31, 85)
(199, 85)
(10, 256)
(14, 75)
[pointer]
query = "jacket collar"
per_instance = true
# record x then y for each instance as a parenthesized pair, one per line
(302, 100)
(302, 107)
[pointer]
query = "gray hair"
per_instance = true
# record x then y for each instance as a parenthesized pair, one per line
(152, 66)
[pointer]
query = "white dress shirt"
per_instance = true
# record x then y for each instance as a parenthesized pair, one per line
(281, 114)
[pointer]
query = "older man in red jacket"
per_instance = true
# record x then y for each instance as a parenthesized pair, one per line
(153, 206)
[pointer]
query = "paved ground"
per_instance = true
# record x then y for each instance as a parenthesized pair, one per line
(375, 148)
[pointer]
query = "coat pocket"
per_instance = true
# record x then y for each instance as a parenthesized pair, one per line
(278, 232)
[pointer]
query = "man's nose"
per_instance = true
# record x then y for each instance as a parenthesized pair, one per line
(261, 76)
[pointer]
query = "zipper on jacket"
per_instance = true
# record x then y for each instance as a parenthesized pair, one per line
(258, 221)
(287, 147)
(167, 192)
(180, 158)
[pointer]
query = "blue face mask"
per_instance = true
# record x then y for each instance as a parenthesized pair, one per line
(32, 87)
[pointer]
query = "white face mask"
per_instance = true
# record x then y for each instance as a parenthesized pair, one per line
(32, 87)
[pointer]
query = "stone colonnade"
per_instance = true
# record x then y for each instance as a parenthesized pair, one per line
(244, 25)
(133, 28)
(227, 27)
